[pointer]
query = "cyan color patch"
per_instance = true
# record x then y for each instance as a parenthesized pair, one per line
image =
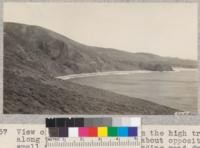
(122, 131)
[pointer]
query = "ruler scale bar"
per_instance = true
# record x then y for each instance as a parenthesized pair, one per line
(95, 143)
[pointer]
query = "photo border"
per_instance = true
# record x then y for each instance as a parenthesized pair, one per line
(147, 119)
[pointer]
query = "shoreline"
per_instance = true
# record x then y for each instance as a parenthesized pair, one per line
(83, 75)
(178, 69)
(67, 77)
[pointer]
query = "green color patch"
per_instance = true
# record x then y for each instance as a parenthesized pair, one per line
(112, 131)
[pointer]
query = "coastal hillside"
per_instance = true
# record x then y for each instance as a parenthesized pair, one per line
(48, 52)
(34, 56)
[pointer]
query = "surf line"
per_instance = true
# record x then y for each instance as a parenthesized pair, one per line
(67, 77)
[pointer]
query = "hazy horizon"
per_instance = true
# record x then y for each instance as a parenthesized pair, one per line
(156, 29)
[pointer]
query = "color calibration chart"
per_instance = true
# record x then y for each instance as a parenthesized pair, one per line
(93, 132)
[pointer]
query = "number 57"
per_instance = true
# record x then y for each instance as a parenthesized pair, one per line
(3, 131)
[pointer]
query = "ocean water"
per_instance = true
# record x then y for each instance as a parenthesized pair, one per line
(173, 89)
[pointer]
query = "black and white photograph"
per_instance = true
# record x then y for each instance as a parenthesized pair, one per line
(100, 58)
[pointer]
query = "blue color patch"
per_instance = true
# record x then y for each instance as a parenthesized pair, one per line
(132, 131)
(122, 131)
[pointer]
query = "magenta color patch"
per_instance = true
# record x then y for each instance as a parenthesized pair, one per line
(83, 132)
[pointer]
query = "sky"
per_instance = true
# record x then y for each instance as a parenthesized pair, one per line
(166, 29)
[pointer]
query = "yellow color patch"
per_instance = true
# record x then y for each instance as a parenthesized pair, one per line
(102, 131)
